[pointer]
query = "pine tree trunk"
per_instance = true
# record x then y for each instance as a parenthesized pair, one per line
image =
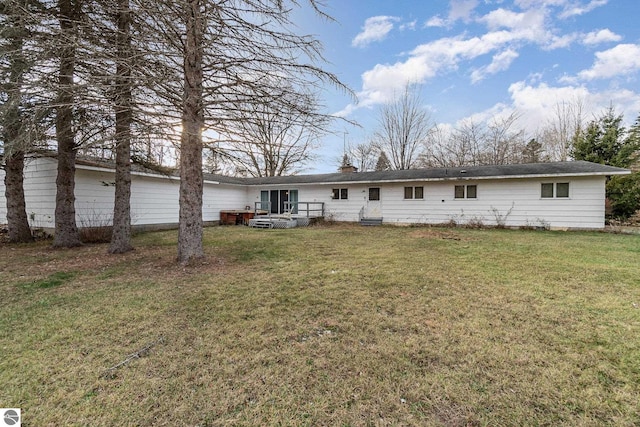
(121, 234)
(190, 227)
(17, 220)
(66, 230)
(14, 143)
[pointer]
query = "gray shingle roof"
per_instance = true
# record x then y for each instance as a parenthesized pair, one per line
(553, 169)
(575, 168)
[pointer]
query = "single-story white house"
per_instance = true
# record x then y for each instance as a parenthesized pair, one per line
(561, 195)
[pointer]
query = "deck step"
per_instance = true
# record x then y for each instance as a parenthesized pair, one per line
(272, 223)
(260, 223)
(370, 221)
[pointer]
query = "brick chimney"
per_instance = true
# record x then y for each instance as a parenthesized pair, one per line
(346, 166)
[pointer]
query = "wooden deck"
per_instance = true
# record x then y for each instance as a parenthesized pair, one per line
(298, 214)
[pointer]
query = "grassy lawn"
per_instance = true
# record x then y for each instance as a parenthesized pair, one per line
(341, 325)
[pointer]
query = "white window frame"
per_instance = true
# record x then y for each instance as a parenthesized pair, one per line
(465, 192)
(554, 190)
(413, 192)
(339, 192)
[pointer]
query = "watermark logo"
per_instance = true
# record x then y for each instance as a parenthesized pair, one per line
(10, 417)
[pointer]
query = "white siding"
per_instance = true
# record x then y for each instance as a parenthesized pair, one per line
(94, 193)
(154, 199)
(514, 202)
(222, 197)
(40, 191)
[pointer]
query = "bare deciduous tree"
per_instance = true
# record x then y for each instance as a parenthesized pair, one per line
(403, 128)
(557, 135)
(496, 142)
(503, 141)
(274, 140)
(457, 147)
(364, 156)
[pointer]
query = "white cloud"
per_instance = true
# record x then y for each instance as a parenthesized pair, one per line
(536, 104)
(436, 21)
(459, 10)
(560, 42)
(621, 60)
(568, 8)
(589, 39)
(508, 31)
(380, 84)
(575, 8)
(502, 18)
(462, 9)
(375, 28)
(501, 61)
(427, 60)
(409, 25)
(602, 36)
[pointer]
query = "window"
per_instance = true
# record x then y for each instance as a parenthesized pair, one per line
(419, 192)
(550, 190)
(562, 189)
(466, 192)
(414, 192)
(340, 193)
(278, 201)
(547, 190)
(374, 193)
(471, 191)
(408, 192)
(264, 200)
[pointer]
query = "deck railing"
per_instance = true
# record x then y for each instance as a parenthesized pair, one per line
(307, 209)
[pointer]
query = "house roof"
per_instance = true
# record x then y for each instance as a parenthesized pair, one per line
(525, 170)
(528, 170)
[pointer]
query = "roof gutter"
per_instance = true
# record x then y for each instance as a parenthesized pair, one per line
(137, 173)
(448, 178)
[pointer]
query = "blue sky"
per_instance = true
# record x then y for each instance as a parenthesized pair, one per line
(477, 59)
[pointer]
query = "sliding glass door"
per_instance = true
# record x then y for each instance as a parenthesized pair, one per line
(280, 201)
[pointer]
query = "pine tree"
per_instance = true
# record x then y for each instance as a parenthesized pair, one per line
(121, 232)
(532, 152)
(383, 163)
(13, 144)
(606, 141)
(603, 141)
(66, 229)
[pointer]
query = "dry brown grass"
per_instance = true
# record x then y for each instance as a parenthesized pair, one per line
(326, 326)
